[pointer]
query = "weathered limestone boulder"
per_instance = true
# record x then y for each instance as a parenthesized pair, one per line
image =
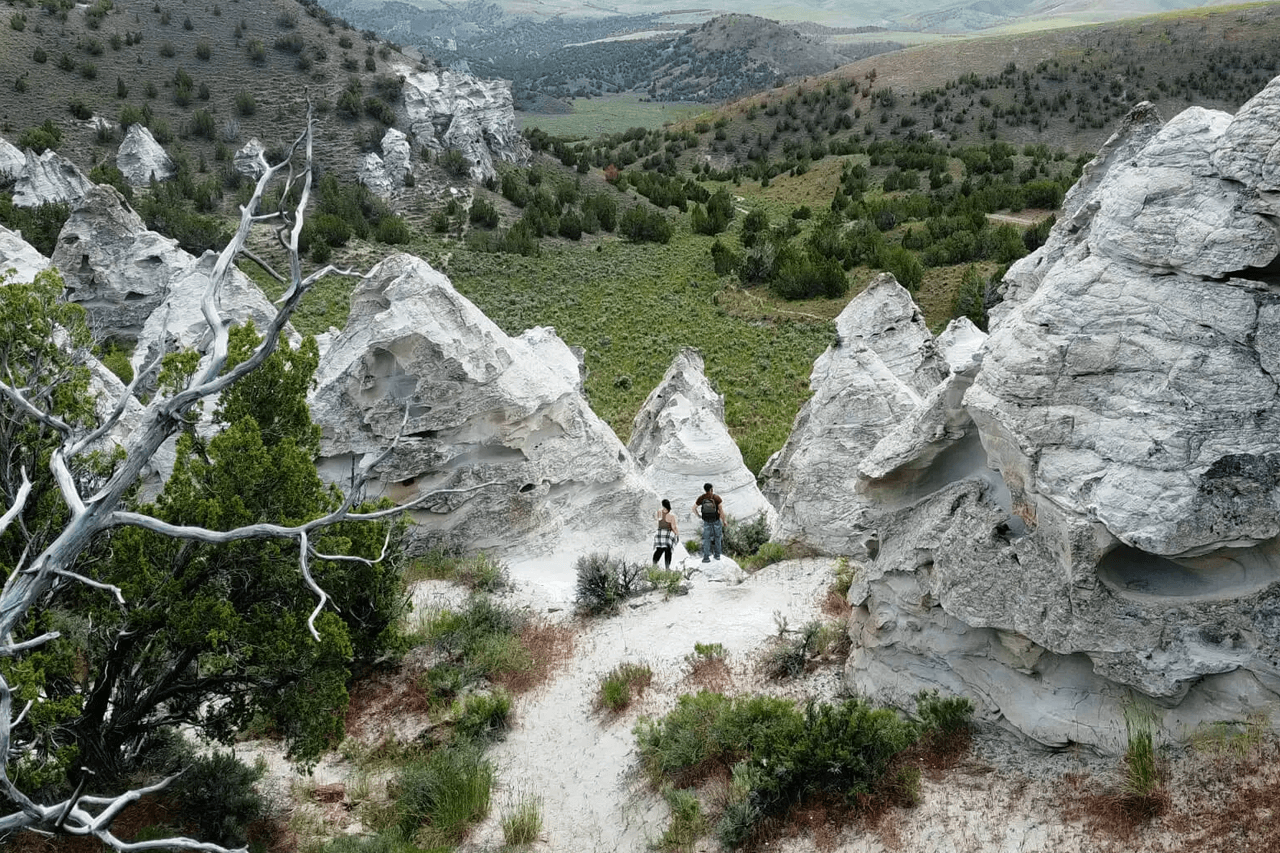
(141, 158)
(876, 374)
(178, 321)
(569, 362)
(49, 178)
(250, 160)
(113, 266)
(452, 111)
(11, 160)
(1129, 397)
(386, 173)
(18, 257)
(499, 439)
(680, 442)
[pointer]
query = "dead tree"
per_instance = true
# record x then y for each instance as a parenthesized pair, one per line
(90, 515)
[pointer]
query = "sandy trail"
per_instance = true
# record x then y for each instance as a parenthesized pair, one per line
(580, 761)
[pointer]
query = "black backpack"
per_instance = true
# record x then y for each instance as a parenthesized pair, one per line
(710, 512)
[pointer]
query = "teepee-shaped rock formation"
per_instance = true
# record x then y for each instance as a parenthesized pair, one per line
(494, 427)
(19, 256)
(680, 442)
(1129, 396)
(141, 158)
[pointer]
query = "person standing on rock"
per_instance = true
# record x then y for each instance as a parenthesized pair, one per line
(667, 536)
(710, 508)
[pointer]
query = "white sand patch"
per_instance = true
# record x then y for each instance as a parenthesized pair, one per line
(581, 762)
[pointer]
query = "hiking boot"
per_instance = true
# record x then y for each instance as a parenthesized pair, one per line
(708, 559)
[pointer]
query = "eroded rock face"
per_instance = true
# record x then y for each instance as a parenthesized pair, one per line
(680, 442)
(498, 432)
(249, 160)
(11, 160)
(386, 173)
(1129, 396)
(178, 321)
(873, 378)
(19, 258)
(49, 178)
(452, 111)
(113, 266)
(141, 158)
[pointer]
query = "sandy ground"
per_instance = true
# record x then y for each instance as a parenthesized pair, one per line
(580, 762)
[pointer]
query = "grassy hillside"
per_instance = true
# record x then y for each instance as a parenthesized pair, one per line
(209, 75)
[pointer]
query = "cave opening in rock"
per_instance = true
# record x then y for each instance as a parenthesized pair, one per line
(1224, 574)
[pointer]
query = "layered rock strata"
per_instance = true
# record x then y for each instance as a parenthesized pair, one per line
(680, 441)
(49, 178)
(492, 430)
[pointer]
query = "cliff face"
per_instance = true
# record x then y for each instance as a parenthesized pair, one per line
(1129, 399)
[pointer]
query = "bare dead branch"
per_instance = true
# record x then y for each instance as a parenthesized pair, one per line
(19, 501)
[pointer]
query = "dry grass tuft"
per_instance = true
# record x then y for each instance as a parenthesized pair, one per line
(548, 646)
(711, 674)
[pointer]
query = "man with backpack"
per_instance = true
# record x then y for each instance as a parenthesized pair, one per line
(710, 508)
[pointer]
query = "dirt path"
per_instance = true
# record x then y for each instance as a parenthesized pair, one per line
(581, 761)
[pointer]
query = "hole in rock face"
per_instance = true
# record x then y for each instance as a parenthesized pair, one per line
(1225, 574)
(527, 487)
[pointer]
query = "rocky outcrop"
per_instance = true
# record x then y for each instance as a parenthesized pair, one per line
(680, 442)
(113, 266)
(250, 160)
(49, 178)
(1129, 397)
(178, 321)
(18, 257)
(876, 374)
(386, 173)
(11, 160)
(493, 432)
(452, 111)
(141, 158)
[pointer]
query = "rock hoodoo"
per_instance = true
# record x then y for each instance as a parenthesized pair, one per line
(11, 160)
(141, 158)
(473, 406)
(386, 173)
(49, 178)
(20, 256)
(679, 440)
(1129, 397)
(878, 372)
(112, 265)
(452, 111)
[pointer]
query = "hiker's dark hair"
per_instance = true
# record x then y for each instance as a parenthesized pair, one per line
(666, 504)
(706, 487)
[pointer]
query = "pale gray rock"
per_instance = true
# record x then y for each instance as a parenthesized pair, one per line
(113, 265)
(385, 174)
(1024, 276)
(179, 323)
(1044, 641)
(250, 160)
(1129, 397)
(566, 361)
(372, 172)
(1249, 150)
(680, 441)
(503, 447)
(452, 111)
(11, 160)
(19, 258)
(141, 158)
(864, 385)
(49, 178)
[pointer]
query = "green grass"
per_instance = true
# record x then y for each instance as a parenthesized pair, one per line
(633, 307)
(610, 114)
(478, 572)
(687, 821)
(523, 824)
(440, 796)
(624, 682)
